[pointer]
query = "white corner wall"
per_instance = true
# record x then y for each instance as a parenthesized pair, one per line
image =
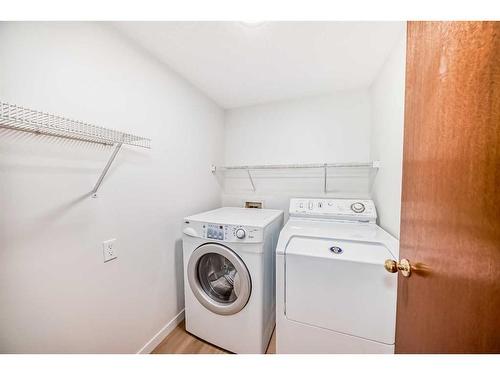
(387, 100)
(327, 128)
(56, 294)
(359, 125)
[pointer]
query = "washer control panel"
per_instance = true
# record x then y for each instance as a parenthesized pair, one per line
(336, 209)
(214, 231)
(229, 233)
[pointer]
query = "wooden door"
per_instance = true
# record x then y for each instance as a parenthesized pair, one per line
(450, 218)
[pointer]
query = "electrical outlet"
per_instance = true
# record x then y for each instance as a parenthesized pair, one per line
(109, 251)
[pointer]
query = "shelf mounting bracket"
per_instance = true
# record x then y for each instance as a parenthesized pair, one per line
(105, 170)
(325, 169)
(251, 179)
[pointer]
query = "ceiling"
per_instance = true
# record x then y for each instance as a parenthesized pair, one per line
(239, 64)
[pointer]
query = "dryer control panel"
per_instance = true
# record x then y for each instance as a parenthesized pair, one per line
(334, 209)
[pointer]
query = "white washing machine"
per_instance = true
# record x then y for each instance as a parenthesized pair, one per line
(229, 276)
(333, 292)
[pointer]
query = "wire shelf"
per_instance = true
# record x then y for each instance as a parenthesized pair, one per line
(372, 165)
(28, 120)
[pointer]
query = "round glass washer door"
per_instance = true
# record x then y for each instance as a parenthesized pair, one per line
(219, 279)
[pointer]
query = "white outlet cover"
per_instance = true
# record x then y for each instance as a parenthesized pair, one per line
(109, 250)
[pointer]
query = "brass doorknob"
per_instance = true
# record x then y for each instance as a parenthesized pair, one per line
(403, 265)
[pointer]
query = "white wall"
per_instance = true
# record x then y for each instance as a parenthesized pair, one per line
(328, 128)
(387, 99)
(56, 294)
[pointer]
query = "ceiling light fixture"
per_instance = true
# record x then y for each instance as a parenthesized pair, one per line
(253, 23)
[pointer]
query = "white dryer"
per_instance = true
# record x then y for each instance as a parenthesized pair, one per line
(229, 276)
(333, 293)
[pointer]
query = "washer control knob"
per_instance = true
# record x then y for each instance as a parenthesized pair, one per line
(240, 233)
(358, 207)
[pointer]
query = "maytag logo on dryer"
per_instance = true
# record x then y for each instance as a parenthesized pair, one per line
(336, 250)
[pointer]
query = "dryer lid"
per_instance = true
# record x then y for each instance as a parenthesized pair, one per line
(339, 249)
(341, 285)
(297, 228)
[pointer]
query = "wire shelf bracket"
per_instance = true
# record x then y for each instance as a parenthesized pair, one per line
(19, 118)
(105, 170)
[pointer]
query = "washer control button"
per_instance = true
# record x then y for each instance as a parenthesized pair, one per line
(240, 233)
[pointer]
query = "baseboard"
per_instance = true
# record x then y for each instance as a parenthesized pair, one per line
(162, 333)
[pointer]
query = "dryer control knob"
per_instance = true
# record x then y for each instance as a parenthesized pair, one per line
(240, 233)
(358, 207)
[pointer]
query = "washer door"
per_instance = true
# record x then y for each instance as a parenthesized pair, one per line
(219, 279)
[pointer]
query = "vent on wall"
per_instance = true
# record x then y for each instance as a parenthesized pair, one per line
(253, 204)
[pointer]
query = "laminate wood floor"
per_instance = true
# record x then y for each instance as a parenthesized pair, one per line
(179, 341)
